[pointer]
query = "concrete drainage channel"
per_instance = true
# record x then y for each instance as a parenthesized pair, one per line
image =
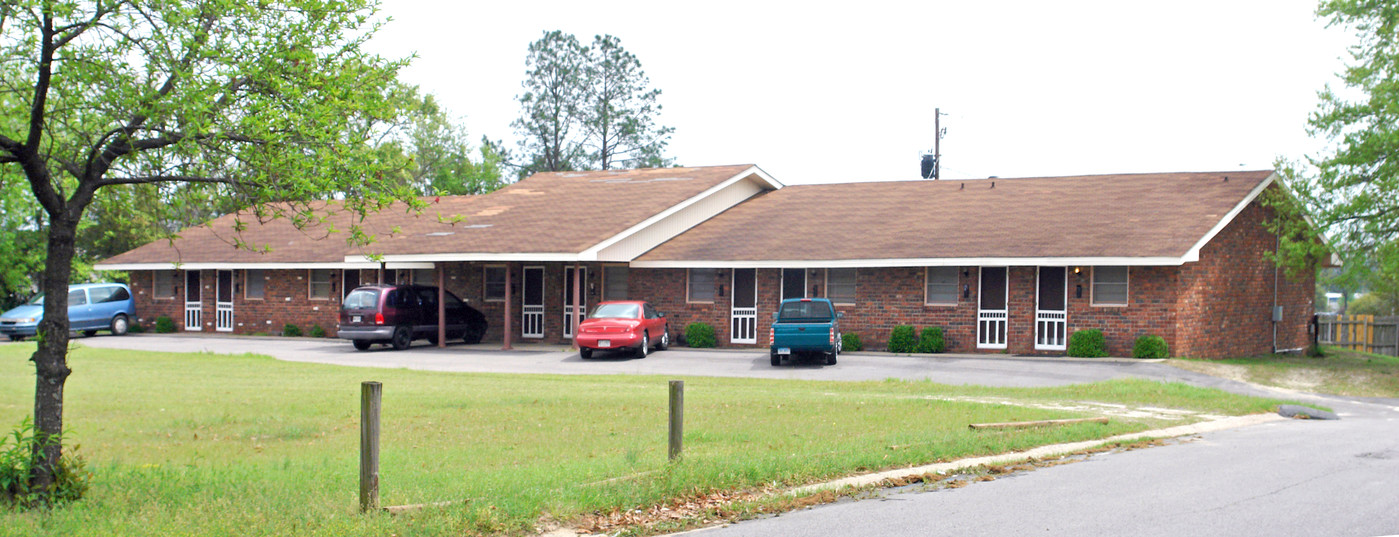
(905, 475)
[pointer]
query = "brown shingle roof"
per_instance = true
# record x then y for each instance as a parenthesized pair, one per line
(548, 213)
(1101, 216)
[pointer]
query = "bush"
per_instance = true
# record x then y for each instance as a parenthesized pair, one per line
(135, 328)
(317, 331)
(930, 341)
(850, 342)
(1149, 346)
(71, 478)
(291, 330)
(164, 325)
(700, 335)
(902, 339)
(1088, 344)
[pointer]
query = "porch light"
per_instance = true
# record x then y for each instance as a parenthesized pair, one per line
(1076, 269)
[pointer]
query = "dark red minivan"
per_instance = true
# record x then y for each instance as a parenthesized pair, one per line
(398, 314)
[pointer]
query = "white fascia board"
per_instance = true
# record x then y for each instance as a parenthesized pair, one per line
(426, 260)
(591, 254)
(233, 266)
(1193, 254)
(924, 262)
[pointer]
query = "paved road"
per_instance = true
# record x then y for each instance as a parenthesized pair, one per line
(1278, 479)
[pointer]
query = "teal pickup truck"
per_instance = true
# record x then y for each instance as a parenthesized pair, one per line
(805, 326)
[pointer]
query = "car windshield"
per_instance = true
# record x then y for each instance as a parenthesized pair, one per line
(806, 311)
(614, 311)
(362, 299)
(38, 300)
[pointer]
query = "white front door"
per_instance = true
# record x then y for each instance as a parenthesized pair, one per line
(193, 319)
(1051, 313)
(223, 310)
(532, 303)
(568, 298)
(743, 315)
(991, 310)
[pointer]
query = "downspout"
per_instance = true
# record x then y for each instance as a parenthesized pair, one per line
(1272, 314)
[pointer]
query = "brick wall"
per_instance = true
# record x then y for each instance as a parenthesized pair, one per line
(285, 300)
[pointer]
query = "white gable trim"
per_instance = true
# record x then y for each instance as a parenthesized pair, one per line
(591, 254)
(1193, 254)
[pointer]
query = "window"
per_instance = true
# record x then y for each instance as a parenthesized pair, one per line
(425, 276)
(119, 294)
(320, 284)
(349, 281)
(254, 284)
(77, 297)
(840, 285)
(701, 285)
(494, 290)
(614, 282)
(163, 285)
(99, 295)
(941, 286)
(1109, 286)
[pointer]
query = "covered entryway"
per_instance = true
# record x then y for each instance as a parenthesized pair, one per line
(743, 314)
(568, 276)
(991, 310)
(1051, 316)
(223, 300)
(193, 305)
(532, 303)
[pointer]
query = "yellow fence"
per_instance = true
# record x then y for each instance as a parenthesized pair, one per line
(1360, 333)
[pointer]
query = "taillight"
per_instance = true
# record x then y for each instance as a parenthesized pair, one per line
(833, 336)
(772, 335)
(378, 318)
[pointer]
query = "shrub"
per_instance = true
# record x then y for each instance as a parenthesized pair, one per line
(291, 330)
(1149, 346)
(850, 342)
(700, 335)
(930, 341)
(902, 339)
(135, 328)
(164, 325)
(17, 459)
(1088, 344)
(317, 331)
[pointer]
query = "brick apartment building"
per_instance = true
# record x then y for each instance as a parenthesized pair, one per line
(1002, 265)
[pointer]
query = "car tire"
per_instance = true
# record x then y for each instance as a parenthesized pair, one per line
(362, 344)
(120, 324)
(472, 335)
(645, 347)
(774, 359)
(402, 338)
(89, 333)
(831, 358)
(16, 338)
(585, 353)
(664, 343)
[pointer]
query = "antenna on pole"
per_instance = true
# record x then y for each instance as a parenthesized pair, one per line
(931, 165)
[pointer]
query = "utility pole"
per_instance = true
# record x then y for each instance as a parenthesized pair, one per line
(937, 143)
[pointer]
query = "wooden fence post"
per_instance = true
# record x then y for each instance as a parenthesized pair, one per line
(677, 418)
(371, 394)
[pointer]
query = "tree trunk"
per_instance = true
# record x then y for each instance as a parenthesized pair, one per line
(51, 359)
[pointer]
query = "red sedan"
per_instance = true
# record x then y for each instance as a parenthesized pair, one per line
(623, 324)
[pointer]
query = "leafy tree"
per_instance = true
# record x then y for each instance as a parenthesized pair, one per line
(258, 101)
(1351, 193)
(588, 108)
(441, 153)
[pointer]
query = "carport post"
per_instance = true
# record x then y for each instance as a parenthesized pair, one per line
(506, 346)
(441, 305)
(577, 303)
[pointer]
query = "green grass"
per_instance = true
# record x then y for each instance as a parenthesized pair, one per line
(203, 444)
(1338, 371)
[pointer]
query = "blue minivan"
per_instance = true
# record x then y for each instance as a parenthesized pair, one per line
(91, 307)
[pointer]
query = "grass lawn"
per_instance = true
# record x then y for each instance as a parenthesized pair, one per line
(1338, 371)
(203, 444)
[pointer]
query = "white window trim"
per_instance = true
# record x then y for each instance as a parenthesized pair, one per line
(956, 291)
(687, 286)
(1093, 290)
(311, 281)
(155, 287)
(826, 287)
(485, 280)
(245, 285)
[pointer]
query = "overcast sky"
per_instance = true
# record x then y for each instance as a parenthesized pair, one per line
(833, 92)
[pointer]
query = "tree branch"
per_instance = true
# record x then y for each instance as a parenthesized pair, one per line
(150, 179)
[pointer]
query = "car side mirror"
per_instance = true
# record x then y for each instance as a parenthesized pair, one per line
(840, 315)
(774, 316)
(660, 314)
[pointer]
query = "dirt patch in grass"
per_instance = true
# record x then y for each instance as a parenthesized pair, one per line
(1336, 372)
